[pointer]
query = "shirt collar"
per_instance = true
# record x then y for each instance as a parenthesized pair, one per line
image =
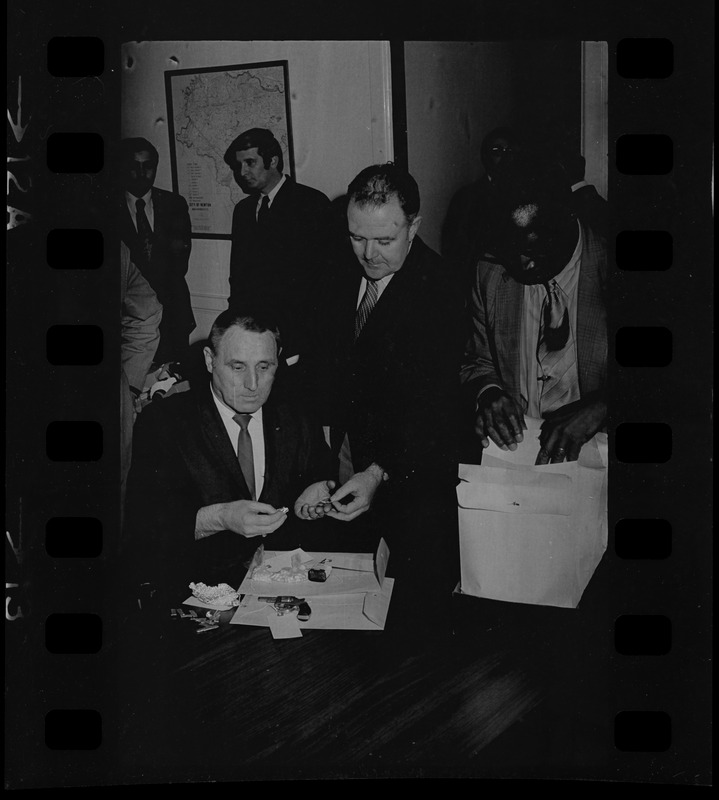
(578, 185)
(228, 414)
(276, 189)
(565, 277)
(132, 200)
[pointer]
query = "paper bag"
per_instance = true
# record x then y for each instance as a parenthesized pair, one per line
(532, 534)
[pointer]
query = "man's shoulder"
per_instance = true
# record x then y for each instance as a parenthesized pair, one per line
(177, 409)
(304, 193)
(165, 197)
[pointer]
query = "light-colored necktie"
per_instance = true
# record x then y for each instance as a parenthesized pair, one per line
(369, 300)
(554, 355)
(144, 231)
(244, 452)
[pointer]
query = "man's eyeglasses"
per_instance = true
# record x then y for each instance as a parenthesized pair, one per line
(502, 150)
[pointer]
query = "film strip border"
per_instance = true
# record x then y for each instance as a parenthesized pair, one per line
(63, 451)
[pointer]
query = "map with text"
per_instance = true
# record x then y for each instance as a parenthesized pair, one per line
(209, 109)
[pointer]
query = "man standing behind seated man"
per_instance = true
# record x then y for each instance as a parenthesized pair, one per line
(386, 366)
(155, 225)
(213, 467)
(281, 234)
(539, 331)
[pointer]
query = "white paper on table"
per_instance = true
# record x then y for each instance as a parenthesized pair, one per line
(352, 573)
(541, 558)
(364, 611)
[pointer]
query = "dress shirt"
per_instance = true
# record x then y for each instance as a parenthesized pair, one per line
(382, 284)
(271, 195)
(149, 209)
(533, 300)
(256, 431)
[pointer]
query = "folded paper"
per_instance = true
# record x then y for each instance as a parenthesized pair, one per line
(545, 549)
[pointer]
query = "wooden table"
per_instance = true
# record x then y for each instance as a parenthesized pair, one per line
(493, 698)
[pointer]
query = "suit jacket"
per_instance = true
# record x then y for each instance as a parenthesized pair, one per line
(166, 270)
(394, 392)
(277, 266)
(492, 355)
(183, 460)
(141, 315)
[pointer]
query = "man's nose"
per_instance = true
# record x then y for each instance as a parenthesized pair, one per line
(369, 250)
(251, 380)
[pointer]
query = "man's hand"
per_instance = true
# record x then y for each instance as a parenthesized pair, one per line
(250, 518)
(362, 487)
(565, 431)
(314, 502)
(499, 419)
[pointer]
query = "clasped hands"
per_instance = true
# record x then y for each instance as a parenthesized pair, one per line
(563, 432)
(251, 518)
(321, 500)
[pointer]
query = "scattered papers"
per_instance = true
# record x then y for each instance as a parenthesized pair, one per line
(367, 612)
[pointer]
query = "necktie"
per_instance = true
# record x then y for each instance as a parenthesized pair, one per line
(369, 300)
(244, 452)
(144, 231)
(553, 355)
(263, 215)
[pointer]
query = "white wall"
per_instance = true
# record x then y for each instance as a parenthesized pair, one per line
(341, 122)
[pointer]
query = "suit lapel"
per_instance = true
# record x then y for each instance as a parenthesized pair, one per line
(215, 435)
(507, 321)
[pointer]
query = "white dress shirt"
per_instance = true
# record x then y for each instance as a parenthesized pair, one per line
(530, 370)
(149, 208)
(256, 431)
(271, 195)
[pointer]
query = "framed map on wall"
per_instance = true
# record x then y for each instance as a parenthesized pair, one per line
(207, 109)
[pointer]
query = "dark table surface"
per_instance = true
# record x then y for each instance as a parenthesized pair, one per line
(501, 690)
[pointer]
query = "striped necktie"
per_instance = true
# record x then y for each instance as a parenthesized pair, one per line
(369, 300)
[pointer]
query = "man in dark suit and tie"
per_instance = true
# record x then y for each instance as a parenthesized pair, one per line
(386, 364)
(155, 225)
(213, 467)
(281, 235)
(539, 331)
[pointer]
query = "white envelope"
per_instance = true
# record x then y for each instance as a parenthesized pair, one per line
(532, 534)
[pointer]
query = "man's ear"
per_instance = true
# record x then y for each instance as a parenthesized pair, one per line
(209, 355)
(414, 227)
(274, 161)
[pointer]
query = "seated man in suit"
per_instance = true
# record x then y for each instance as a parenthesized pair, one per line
(155, 225)
(281, 235)
(214, 466)
(386, 365)
(538, 344)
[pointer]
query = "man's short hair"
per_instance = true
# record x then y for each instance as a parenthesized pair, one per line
(128, 147)
(377, 185)
(248, 320)
(265, 142)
